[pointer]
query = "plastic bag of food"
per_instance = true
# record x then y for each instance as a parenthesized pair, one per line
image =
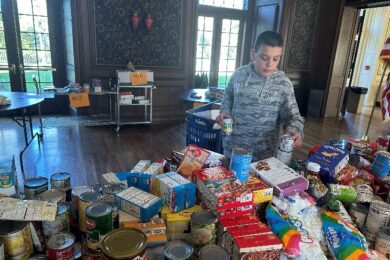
(343, 193)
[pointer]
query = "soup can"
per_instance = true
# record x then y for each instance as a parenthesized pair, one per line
(382, 244)
(17, 240)
(364, 193)
(240, 163)
(98, 222)
(6, 178)
(213, 252)
(125, 243)
(52, 196)
(203, 229)
(75, 201)
(286, 143)
(110, 189)
(378, 216)
(89, 254)
(86, 199)
(60, 181)
(35, 186)
(176, 250)
(61, 247)
(358, 214)
(61, 223)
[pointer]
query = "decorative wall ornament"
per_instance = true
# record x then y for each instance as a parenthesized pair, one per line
(302, 34)
(117, 41)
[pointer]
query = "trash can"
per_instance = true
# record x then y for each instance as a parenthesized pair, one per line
(354, 94)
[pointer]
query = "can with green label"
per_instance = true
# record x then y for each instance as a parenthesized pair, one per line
(98, 222)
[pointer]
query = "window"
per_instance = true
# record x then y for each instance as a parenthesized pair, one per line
(220, 26)
(5, 82)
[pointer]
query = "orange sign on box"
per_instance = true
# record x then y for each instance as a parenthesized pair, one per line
(79, 100)
(138, 78)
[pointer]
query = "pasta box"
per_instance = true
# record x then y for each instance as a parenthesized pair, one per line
(138, 203)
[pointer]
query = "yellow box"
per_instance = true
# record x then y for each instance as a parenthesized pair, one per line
(261, 191)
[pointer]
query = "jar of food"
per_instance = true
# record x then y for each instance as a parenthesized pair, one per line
(313, 170)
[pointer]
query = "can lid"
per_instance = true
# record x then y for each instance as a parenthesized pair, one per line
(62, 208)
(91, 196)
(178, 250)
(204, 217)
(51, 195)
(8, 226)
(98, 209)
(314, 167)
(77, 191)
(213, 252)
(123, 243)
(61, 241)
(60, 176)
(36, 181)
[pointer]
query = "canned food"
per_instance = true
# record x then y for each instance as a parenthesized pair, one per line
(203, 229)
(52, 196)
(6, 178)
(89, 254)
(61, 223)
(213, 252)
(110, 189)
(17, 240)
(74, 206)
(98, 222)
(358, 214)
(227, 126)
(364, 193)
(60, 181)
(382, 244)
(35, 186)
(286, 143)
(37, 236)
(115, 216)
(240, 163)
(381, 165)
(86, 199)
(61, 247)
(378, 216)
(178, 250)
(126, 243)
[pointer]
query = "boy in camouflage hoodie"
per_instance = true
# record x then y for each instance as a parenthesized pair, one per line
(260, 99)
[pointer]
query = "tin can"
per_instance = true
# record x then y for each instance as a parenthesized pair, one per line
(52, 196)
(98, 222)
(17, 240)
(86, 199)
(61, 247)
(2, 255)
(364, 193)
(125, 243)
(60, 181)
(286, 143)
(115, 216)
(35, 186)
(37, 236)
(75, 201)
(381, 165)
(382, 244)
(213, 252)
(110, 189)
(358, 214)
(176, 250)
(203, 229)
(378, 216)
(240, 163)
(6, 178)
(61, 223)
(284, 157)
(227, 127)
(89, 254)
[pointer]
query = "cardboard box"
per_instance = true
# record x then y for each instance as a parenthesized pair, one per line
(263, 246)
(124, 76)
(111, 177)
(261, 191)
(133, 176)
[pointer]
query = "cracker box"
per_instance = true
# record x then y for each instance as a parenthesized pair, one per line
(259, 247)
(138, 203)
(141, 166)
(282, 178)
(331, 159)
(261, 191)
(144, 180)
(111, 177)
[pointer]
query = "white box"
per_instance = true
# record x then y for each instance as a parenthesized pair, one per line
(124, 76)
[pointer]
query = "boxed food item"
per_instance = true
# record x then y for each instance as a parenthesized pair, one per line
(165, 211)
(282, 178)
(124, 76)
(331, 159)
(194, 158)
(189, 188)
(111, 177)
(134, 174)
(261, 191)
(125, 218)
(259, 247)
(138, 203)
(144, 179)
(154, 224)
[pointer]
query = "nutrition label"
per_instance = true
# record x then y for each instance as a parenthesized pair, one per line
(28, 210)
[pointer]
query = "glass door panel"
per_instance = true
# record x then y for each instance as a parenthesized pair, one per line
(5, 81)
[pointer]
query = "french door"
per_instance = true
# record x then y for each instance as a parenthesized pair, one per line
(25, 45)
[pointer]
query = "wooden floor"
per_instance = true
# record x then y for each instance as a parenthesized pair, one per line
(87, 152)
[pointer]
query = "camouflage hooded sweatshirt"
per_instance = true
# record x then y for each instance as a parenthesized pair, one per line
(260, 107)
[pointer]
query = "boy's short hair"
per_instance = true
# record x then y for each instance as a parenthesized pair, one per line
(270, 38)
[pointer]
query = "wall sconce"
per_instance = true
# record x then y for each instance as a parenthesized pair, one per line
(149, 22)
(135, 20)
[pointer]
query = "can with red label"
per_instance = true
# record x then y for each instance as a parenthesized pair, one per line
(61, 247)
(98, 222)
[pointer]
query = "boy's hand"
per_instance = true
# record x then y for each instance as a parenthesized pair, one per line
(221, 117)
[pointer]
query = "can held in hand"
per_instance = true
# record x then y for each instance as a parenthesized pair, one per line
(35, 186)
(382, 244)
(61, 247)
(60, 224)
(227, 127)
(240, 163)
(203, 229)
(286, 143)
(17, 240)
(98, 222)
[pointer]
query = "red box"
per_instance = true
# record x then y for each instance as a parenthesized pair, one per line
(264, 246)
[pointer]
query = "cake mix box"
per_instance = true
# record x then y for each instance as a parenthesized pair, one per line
(259, 247)
(145, 177)
(218, 186)
(194, 158)
(282, 178)
(133, 176)
(331, 159)
(138, 203)
(261, 191)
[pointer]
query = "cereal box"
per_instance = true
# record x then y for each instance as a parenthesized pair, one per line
(259, 247)
(134, 174)
(261, 191)
(138, 203)
(283, 179)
